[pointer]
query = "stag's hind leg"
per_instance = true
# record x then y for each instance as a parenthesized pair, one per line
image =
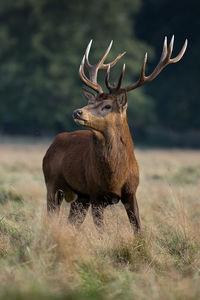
(54, 200)
(78, 211)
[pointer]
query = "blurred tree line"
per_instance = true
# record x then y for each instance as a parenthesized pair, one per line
(42, 44)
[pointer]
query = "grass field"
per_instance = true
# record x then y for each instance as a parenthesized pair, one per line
(48, 259)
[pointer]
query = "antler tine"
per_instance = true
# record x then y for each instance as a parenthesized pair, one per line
(142, 74)
(93, 69)
(101, 61)
(181, 53)
(112, 63)
(87, 51)
(164, 61)
(81, 69)
(114, 89)
(121, 78)
(170, 47)
(164, 52)
(94, 85)
(141, 79)
(101, 64)
(109, 87)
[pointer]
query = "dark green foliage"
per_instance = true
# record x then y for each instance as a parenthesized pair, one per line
(43, 44)
(176, 91)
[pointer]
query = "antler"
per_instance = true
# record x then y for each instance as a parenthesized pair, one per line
(114, 89)
(164, 61)
(93, 69)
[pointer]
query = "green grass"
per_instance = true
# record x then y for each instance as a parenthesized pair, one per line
(9, 195)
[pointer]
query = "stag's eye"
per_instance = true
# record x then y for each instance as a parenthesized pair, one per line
(106, 107)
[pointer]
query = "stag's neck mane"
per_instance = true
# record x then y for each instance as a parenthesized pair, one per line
(113, 149)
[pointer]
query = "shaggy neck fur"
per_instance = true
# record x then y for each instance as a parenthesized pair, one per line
(113, 153)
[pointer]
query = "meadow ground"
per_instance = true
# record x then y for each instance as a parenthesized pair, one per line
(42, 259)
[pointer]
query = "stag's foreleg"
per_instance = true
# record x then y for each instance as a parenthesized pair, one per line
(130, 203)
(97, 214)
(78, 211)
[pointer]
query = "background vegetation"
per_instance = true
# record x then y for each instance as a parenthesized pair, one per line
(42, 43)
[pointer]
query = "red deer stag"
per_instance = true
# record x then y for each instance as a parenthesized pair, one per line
(98, 167)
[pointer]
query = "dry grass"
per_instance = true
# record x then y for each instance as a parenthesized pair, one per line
(49, 259)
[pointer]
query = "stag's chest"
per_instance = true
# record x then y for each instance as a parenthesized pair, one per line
(108, 176)
(111, 164)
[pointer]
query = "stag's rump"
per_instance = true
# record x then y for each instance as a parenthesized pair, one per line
(66, 161)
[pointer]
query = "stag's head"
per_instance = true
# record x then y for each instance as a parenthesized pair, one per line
(105, 109)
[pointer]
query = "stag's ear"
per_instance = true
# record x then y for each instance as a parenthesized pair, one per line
(122, 100)
(89, 96)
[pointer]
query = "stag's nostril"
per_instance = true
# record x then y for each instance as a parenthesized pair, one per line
(77, 113)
